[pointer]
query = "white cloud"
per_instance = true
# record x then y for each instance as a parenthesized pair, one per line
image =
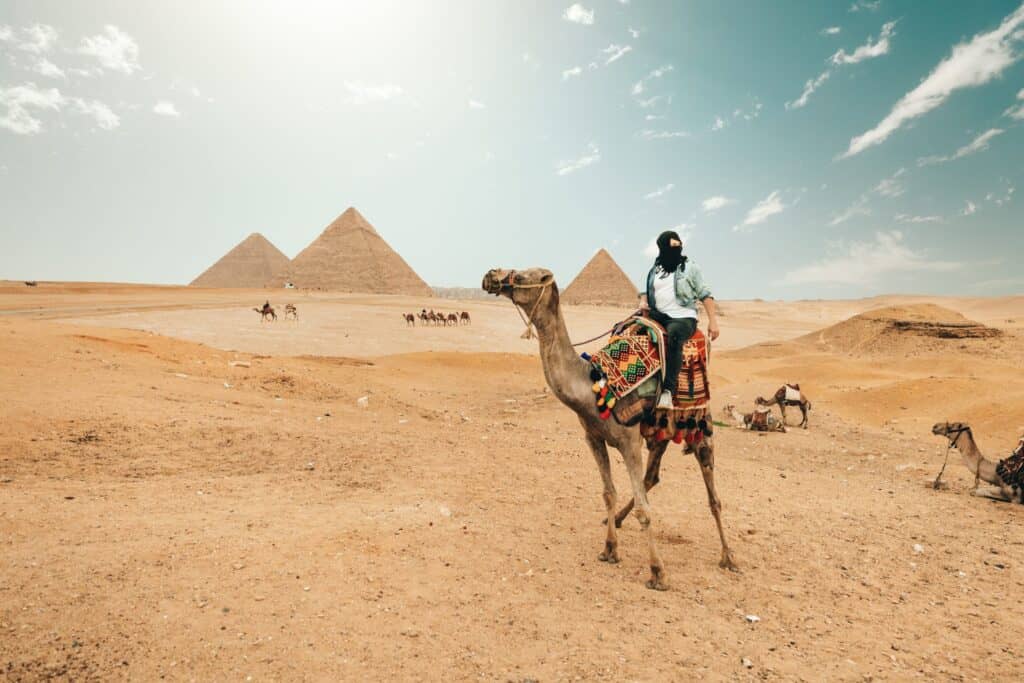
(869, 5)
(6, 34)
(904, 218)
(364, 93)
(195, 92)
(664, 189)
(810, 86)
(570, 73)
(867, 263)
(1016, 111)
(103, 115)
(38, 38)
(114, 49)
(978, 144)
(763, 210)
(654, 117)
(858, 208)
(616, 52)
(578, 14)
(633, 32)
(891, 186)
(651, 250)
(475, 104)
(165, 108)
(45, 67)
(975, 62)
(830, 30)
(662, 134)
(749, 115)
(641, 85)
(654, 101)
(869, 50)
(719, 123)
(592, 156)
(19, 100)
(969, 209)
(712, 204)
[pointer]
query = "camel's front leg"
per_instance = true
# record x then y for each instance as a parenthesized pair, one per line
(706, 458)
(633, 459)
(993, 492)
(597, 445)
(782, 409)
(651, 478)
(803, 411)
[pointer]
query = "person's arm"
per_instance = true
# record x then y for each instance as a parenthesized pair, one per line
(645, 307)
(711, 308)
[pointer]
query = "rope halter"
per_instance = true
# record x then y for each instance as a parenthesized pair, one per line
(509, 284)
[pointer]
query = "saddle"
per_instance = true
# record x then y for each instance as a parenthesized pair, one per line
(628, 374)
(1011, 470)
(793, 393)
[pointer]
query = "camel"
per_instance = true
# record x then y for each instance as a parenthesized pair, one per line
(746, 420)
(410, 319)
(424, 318)
(453, 319)
(1005, 478)
(534, 291)
(783, 398)
(464, 318)
(266, 312)
(290, 310)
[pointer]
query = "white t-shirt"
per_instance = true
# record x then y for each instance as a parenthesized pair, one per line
(665, 297)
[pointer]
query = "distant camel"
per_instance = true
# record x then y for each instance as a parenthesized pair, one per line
(453, 318)
(290, 310)
(31, 283)
(464, 318)
(424, 318)
(266, 312)
(410, 319)
(788, 395)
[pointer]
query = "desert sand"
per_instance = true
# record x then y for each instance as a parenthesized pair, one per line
(190, 494)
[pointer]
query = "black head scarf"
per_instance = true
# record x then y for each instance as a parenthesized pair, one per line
(669, 257)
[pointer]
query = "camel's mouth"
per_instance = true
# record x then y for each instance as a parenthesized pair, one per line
(495, 281)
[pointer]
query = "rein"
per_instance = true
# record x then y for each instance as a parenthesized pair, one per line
(509, 283)
(951, 446)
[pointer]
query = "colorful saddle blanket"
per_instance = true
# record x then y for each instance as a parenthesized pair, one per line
(1011, 470)
(628, 373)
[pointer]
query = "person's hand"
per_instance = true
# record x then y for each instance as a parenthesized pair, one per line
(644, 308)
(713, 330)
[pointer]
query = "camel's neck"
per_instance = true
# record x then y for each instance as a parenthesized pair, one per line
(566, 373)
(983, 468)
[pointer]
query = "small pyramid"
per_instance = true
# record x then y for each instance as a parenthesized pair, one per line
(250, 264)
(349, 256)
(601, 282)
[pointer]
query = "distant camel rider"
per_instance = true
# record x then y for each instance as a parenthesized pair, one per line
(671, 292)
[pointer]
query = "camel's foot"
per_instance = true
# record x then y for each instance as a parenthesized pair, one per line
(657, 581)
(610, 554)
(727, 562)
(990, 492)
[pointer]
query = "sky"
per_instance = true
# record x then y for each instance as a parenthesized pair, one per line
(804, 150)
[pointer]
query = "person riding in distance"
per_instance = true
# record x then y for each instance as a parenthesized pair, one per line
(673, 287)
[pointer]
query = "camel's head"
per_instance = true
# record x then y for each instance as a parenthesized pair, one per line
(524, 287)
(760, 401)
(949, 429)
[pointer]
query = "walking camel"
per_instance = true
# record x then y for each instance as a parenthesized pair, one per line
(1005, 478)
(267, 312)
(535, 292)
(788, 395)
(290, 310)
(464, 318)
(410, 319)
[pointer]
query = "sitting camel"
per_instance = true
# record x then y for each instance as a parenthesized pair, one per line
(290, 310)
(535, 292)
(1006, 477)
(788, 395)
(747, 421)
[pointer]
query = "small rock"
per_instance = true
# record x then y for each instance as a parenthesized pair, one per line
(747, 663)
(918, 548)
(753, 618)
(445, 512)
(310, 466)
(363, 401)
(226, 385)
(240, 364)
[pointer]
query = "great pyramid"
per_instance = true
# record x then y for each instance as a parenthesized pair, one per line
(349, 256)
(601, 282)
(250, 264)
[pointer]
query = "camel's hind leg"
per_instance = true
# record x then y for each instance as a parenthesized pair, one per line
(651, 477)
(633, 459)
(706, 458)
(804, 412)
(598, 447)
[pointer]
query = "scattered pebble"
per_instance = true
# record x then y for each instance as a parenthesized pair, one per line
(753, 618)
(363, 401)
(240, 364)
(918, 548)
(747, 663)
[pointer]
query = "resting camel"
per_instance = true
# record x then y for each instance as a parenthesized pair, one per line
(1005, 478)
(290, 310)
(746, 420)
(464, 318)
(266, 312)
(535, 292)
(780, 399)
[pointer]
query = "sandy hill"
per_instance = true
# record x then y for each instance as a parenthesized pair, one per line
(349, 256)
(901, 330)
(250, 264)
(601, 281)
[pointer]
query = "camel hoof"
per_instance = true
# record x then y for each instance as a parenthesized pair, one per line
(727, 563)
(610, 559)
(656, 584)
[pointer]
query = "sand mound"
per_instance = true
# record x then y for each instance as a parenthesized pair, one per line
(250, 264)
(900, 330)
(349, 256)
(603, 282)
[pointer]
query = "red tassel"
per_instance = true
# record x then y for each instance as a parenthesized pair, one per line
(660, 435)
(677, 437)
(606, 414)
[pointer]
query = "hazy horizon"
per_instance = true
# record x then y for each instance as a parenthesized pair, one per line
(825, 151)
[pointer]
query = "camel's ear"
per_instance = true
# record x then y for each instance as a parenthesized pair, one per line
(547, 278)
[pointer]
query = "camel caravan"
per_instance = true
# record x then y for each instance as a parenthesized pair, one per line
(437, 318)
